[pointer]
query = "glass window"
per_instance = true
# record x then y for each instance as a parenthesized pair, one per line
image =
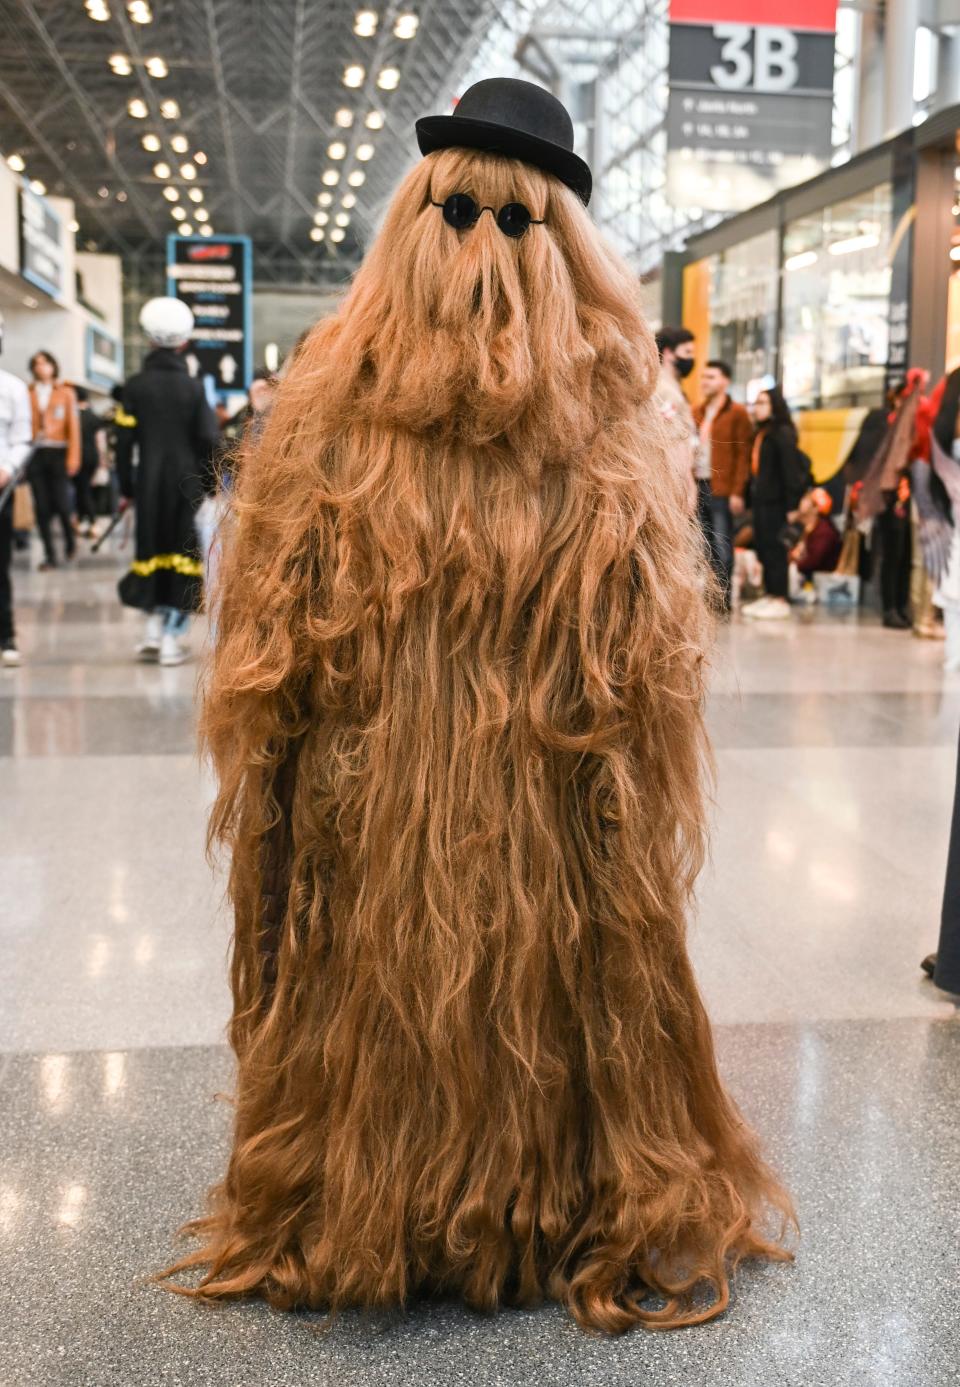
(743, 310)
(836, 297)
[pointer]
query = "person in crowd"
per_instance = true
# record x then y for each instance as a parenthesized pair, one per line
(166, 418)
(16, 432)
(722, 468)
(777, 482)
(93, 456)
(819, 545)
(676, 347)
(56, 454)
(944, 965)
(455, 710)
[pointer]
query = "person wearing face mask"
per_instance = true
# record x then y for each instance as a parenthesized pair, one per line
(16, 432)
(677, 347)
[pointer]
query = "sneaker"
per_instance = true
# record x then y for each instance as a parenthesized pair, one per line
(47, 566)
(9, 655)
(774, 609)
(172, 652)
(752, 609)
(149, 647)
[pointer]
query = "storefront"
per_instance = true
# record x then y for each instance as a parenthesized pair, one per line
(836, 286)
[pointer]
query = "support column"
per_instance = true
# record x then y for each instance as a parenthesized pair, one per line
(899, 41)
(948, 68)
(868, 124)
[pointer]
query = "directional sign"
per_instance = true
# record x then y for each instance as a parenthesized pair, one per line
(751, 99)
(213, 276)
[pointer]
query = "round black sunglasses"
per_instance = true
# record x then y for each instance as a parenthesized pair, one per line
(461, 212)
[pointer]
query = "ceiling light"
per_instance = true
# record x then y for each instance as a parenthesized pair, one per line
(331, 178)
(406, 26)
(121, 196)
(337, 150)
(161, 170)
(179, 144)
(357, 178)
(201, 215)
(103, 191)
(353, 75)
(337, 234)
(98, 10)
(170, 110)
(171, 194)
(324, 199)
(317, 233)
(321, 218)
(365, 24)
(188, 172)
(206, 231)
(16, 162)
(195, 194)
(349, 199)
(137, 108)
(151, 144)
(178, 212)
(120, 64)
(388, 79)
(186, 229)
(801, 260)
(342, 219)
(374, 120)
(157, 67)
(139, 11)
(344, 118)
(74, 226)
(38, 186)
(200, 157)
(849, 244)
(364, 152)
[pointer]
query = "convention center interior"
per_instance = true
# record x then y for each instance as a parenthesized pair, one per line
(479, 693)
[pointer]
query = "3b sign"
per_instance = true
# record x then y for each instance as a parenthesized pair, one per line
(751, 100)
(763, 59)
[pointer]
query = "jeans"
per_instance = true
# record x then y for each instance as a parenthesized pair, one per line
(895, 560)
(175, 622)
(51, 496)
(716, 522)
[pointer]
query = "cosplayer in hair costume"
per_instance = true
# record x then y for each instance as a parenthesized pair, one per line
(455, 711)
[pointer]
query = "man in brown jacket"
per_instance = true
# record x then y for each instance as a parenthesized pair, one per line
(722, 468)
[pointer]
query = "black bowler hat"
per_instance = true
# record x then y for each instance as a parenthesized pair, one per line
(503, 115)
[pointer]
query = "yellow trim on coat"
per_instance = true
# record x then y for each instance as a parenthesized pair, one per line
(180, 563)
(123, 420)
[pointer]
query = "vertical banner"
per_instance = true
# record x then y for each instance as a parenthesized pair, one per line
(750, 108)
(213, 276)
(41, 243)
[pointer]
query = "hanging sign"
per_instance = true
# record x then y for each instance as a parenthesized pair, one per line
(213, 276)
(41, 243)
(750, 108)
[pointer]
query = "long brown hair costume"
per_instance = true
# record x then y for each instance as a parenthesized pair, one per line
(455, 711)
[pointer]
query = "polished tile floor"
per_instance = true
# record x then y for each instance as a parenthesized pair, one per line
(836, 748)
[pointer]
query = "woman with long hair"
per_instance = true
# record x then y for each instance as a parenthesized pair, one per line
(56, 454)
(775, 490)
(456, 714)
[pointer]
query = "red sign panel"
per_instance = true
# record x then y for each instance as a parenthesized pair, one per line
(816, 15)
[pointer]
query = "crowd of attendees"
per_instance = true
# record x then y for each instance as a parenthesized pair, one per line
(774, 536)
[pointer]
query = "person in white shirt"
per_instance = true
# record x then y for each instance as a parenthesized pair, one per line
(16, 432)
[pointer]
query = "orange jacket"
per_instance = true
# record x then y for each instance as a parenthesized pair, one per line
(731, 440)
(59, 422)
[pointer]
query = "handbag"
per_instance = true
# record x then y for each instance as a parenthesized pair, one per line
(24, 514)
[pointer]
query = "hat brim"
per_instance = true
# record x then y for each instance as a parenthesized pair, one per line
(461, 132)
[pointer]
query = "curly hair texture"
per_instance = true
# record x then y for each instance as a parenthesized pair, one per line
(456, 714)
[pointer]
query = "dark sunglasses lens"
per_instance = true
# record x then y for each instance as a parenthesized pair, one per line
(514, 219)
(460, 211)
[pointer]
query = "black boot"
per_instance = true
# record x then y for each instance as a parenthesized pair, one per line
(895, 621)
(929, 965)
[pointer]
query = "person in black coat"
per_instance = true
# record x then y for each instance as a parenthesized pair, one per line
(166, 418)
(777, 484)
